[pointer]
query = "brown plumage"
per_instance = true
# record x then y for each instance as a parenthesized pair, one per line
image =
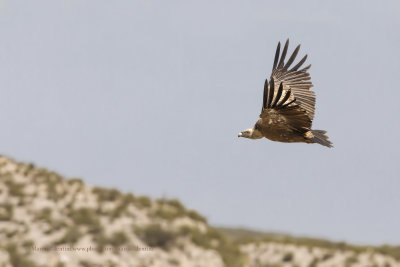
(288, 104)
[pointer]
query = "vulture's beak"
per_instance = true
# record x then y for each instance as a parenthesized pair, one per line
(240, 135)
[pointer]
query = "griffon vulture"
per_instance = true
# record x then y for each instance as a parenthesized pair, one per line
(288, 104)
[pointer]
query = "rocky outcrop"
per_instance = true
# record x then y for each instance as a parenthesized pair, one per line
(47, 220)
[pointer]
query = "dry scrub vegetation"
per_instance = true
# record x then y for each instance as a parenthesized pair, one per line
(40, 210)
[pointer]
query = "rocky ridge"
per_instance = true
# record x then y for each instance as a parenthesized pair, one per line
(47, 220)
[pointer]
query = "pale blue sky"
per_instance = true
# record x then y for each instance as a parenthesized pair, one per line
(148, 97)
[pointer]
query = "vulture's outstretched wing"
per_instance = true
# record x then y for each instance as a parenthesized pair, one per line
(280, 109)
(298, 81)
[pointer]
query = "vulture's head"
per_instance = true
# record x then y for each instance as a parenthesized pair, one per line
(250, 133)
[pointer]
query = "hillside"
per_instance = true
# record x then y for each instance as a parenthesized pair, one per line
(47, 220)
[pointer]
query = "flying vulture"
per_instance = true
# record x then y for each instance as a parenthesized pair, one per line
(288, 104)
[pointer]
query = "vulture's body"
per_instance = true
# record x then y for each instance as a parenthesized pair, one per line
(288, 104)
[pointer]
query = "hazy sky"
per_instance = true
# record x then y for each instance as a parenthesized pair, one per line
(149, 96)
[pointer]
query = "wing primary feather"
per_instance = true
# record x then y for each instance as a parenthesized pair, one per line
(265, 94)
(278, 96)
(292, 58)
(284, 106)
(284, 52)
(305, 68)
(278, 50)
(285, 98)
(298, 65)
(271, 92)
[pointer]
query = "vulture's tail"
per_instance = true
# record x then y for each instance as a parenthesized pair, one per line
(321, 138)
